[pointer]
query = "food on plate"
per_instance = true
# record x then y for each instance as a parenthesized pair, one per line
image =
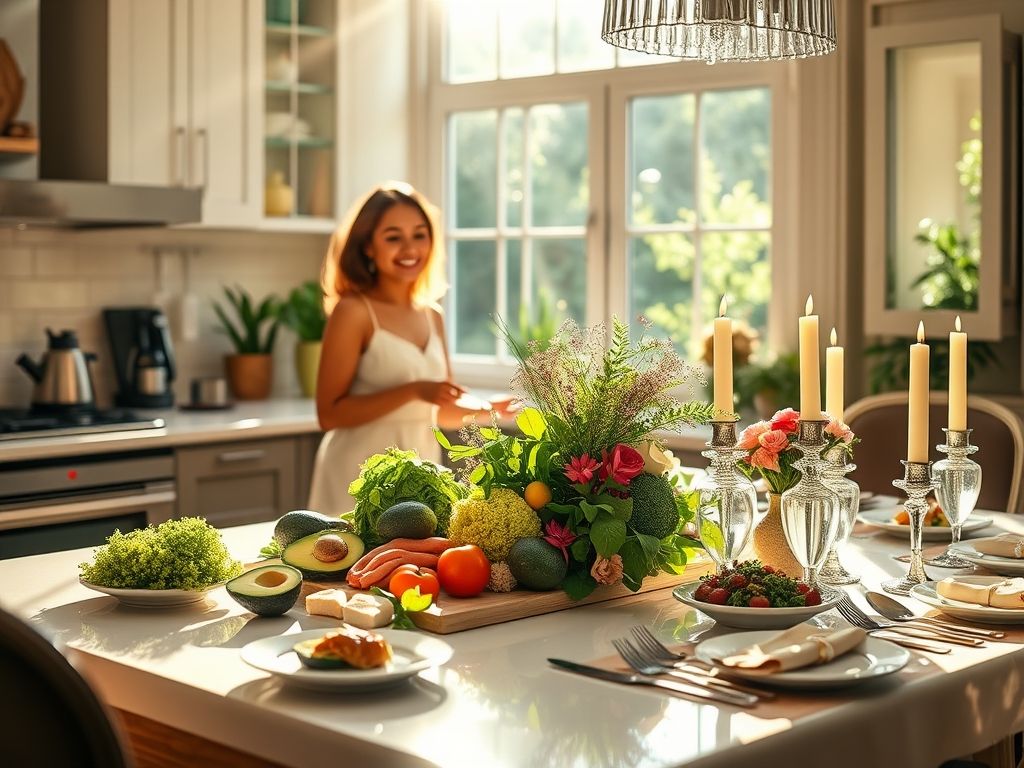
(1008, 593)
(933, 518)
(1009, 545)
(654, 505)
(187, 553)
(267, 590)
(493, 523)
(407, 520)
(299, 523)
(409, 576)
(753, 585)
(377, 565)
(537, 494)
(368, 611)
(536, 564)
(387, 478)
(327, 554)
(327, 602)
(463, 571)
(346, 647)
(501, 579)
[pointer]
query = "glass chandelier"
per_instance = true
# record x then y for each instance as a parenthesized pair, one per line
(722, 30)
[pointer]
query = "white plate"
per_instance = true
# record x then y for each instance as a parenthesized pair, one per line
(413, 652)
(1008, 566)
(981, 614)
(882, 518)
(874, 658)
(758, 618)
(154, 598)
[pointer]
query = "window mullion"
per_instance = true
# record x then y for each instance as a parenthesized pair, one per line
(500, 242)
(526, 249)
(696, 311)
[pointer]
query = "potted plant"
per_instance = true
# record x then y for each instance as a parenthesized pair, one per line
(766, 386)
(250, 370)
(303, 312)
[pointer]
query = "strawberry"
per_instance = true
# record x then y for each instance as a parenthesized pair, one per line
(812, 596)
(802, 588)
(759, 601)
(703, 592)
(737, 581)
(718, 596)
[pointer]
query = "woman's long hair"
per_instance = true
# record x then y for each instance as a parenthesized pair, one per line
(346, 266)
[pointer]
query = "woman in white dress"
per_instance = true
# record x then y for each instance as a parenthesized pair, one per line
(385, 378)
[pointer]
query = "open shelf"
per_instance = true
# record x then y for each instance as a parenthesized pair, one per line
(312, 142)
(279, 86)
(11, 145)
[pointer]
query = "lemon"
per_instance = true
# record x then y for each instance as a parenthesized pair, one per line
(537, 494)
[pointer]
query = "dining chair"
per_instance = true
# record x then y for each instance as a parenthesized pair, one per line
(880, 421)
(52, 717)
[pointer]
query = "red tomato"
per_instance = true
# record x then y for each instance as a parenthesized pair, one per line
(463, 571)
(409, 576)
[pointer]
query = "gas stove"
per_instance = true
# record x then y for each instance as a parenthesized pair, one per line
(19, 424)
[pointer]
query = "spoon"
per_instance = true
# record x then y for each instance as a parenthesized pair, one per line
(895, 610)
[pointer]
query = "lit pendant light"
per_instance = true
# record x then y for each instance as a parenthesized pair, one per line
(722, 30)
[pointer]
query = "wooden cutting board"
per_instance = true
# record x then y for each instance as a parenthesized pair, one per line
(452, 614)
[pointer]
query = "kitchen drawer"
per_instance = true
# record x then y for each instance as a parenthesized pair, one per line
(236, 483)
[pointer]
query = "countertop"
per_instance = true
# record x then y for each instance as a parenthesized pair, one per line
(497, 702)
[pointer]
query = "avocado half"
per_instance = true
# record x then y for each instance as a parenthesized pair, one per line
(268, 590)
(324, 555)
(294, 525)
(306, 651)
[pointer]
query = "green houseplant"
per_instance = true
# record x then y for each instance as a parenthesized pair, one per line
(250, 370)
(303, 312)
(767, 386)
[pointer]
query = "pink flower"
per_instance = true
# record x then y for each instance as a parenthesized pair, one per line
(838, 429)
(622, 465)
(786, 420)
(581, 469)
(749, 436)
(774, 440)
(558, 535)
(607, 570)
(762, 458)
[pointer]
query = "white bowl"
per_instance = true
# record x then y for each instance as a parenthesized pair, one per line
(758, 618)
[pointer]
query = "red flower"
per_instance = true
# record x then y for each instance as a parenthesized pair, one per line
(559, 536)
(622, 465)
(787, 420)
(581, 469)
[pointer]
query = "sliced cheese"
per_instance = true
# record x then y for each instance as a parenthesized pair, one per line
(1008, 594)
(1003, 545)
(952, 589)
(369, 611)
(327, 602)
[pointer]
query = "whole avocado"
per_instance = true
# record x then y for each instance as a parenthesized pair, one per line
(407, 520)
(654, 506)
(536, 564)
(299, 523)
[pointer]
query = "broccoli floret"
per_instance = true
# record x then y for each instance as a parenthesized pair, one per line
(494, 524)
(654, 506)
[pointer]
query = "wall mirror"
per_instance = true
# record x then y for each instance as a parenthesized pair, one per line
(941, 177)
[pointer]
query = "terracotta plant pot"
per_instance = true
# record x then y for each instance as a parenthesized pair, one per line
(770, 545)
(307, 364)
(250, 376)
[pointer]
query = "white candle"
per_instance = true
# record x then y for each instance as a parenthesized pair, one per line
(810, 374)
(834, 379)
(917, 412)
(957, 379)
(722, 374)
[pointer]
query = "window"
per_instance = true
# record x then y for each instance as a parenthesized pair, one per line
(579, 183)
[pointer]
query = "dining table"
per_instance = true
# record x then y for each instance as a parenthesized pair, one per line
(497, 701)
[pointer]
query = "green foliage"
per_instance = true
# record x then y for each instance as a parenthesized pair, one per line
(890, 369)
(303, 311)
(537, 326)
(953, 275)
(245, 330)
(780, 375)
(177, 554)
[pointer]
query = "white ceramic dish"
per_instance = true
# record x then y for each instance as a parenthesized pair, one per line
(154, 598)
(982, 614)
(757, 618)
(882, 518)
(1008, 566)
(413, 653)
(875, 658)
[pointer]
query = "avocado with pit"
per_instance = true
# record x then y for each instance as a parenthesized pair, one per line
(324, 555)
(268, 590)
(298, 523)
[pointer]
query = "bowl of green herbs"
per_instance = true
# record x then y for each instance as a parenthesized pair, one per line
(174, 563)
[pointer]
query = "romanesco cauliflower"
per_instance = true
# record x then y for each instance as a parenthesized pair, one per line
(493, 524)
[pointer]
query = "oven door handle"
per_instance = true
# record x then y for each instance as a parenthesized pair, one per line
(89, 509)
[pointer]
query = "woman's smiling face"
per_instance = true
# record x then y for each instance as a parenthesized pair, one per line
(401, 244)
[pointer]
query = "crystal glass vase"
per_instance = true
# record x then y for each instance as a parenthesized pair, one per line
(836, 471)
(957, 484)
(727, 499)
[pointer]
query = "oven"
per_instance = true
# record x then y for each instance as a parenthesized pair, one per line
(71, 502)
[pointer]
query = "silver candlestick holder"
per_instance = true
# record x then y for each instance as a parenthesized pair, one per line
(916, 483)
(957, 484)
(810, 509)
(726, 498)
(837, 469)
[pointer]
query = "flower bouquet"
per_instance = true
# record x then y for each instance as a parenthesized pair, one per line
(587, 462)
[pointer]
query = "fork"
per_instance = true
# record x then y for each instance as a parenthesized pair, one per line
(645, 667)
(857, 617)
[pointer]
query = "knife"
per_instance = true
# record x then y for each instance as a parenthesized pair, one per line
(907, 642)
(695, 691)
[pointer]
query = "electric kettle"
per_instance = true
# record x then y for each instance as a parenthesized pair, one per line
(62, 378)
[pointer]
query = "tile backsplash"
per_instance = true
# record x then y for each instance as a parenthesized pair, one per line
(64, 279)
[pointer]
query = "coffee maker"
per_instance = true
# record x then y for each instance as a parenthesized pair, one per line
(140, 341)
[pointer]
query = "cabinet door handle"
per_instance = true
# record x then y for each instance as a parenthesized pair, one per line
(204, 155)
(232, 456)
(180, 159)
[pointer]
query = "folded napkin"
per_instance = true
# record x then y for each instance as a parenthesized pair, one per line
(1003, 545)
(1008, 593)
(799, 646)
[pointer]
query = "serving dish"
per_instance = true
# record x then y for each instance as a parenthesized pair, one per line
(757, 618)
(153, 598)
(882, 518)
